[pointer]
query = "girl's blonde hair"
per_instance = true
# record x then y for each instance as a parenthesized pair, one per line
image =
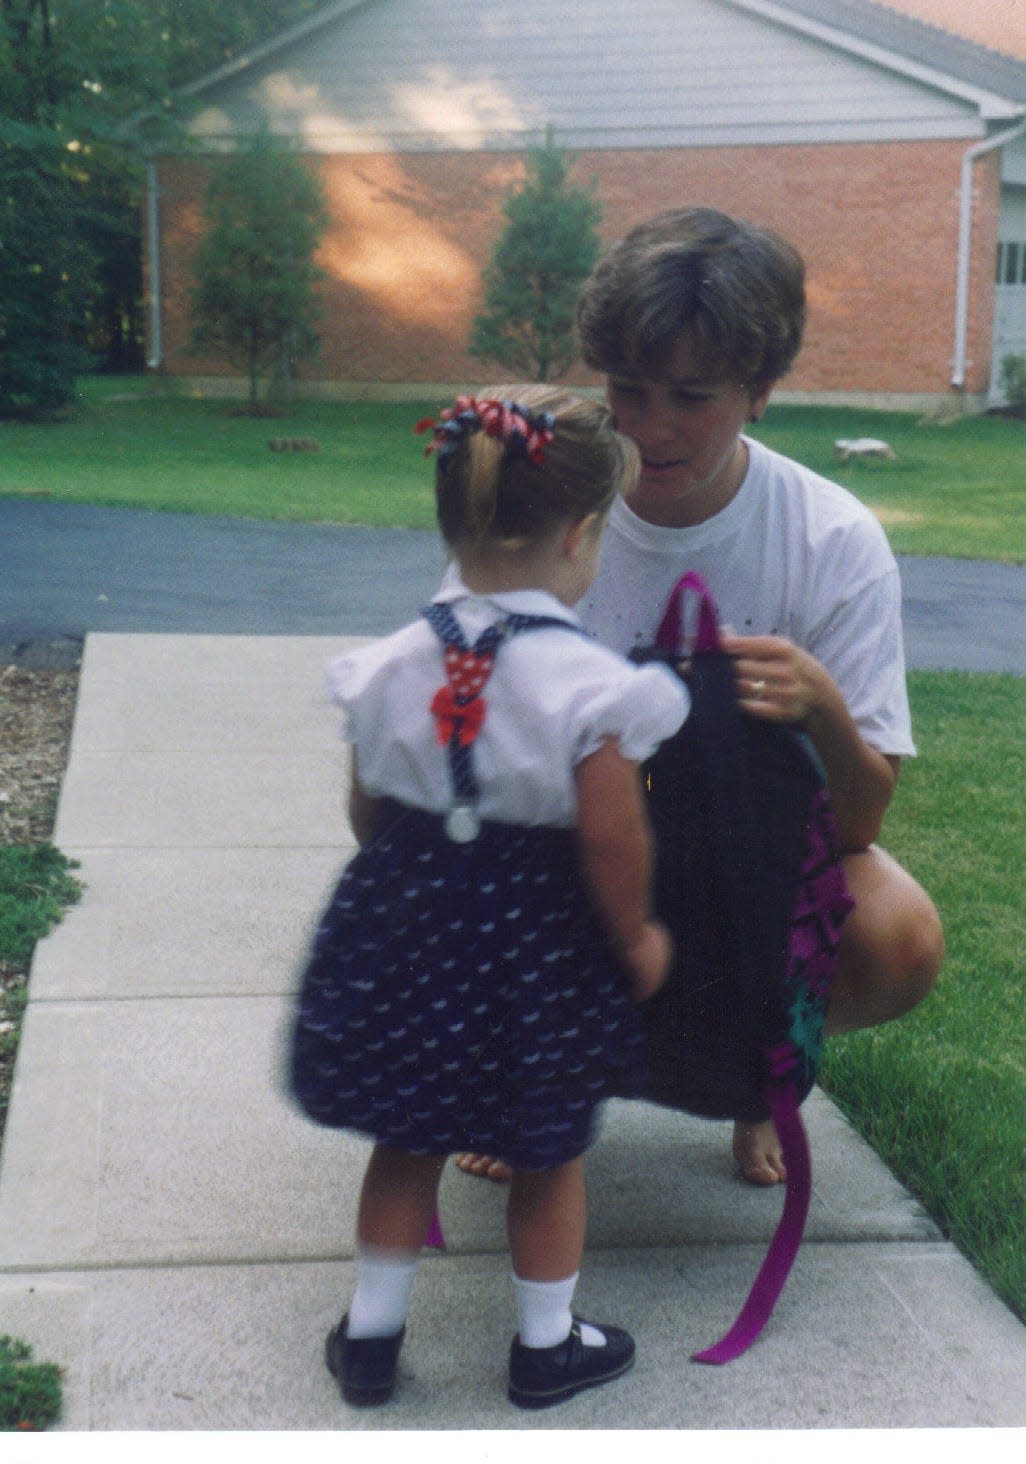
(490, 494)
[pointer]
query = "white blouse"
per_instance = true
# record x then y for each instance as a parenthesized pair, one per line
(553, 697)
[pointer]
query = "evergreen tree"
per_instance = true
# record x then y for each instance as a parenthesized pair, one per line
(44, 262)
(46, 269)
(71, 169)
(254, 296)
(546, 251)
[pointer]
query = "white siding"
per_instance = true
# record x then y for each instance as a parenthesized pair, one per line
(470, 74)
(1013, 162)
(1009, 338)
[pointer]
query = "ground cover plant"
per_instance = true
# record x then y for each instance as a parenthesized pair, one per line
(36, 887)
(30, 1392)
(953, 488)
(36, 883)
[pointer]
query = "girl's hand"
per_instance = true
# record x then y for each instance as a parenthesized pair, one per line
(648, 960)
(777, 680)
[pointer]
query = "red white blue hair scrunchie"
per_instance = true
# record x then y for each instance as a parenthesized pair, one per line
(522, 432)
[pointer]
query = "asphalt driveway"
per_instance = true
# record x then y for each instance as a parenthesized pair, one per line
(67, 570)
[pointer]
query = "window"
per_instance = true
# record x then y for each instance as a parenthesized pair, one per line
(1011, 262)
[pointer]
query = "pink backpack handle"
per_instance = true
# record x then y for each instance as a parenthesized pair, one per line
(668, 636)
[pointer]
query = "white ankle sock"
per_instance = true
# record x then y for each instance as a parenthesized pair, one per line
(381, 1301)
(544, 1315)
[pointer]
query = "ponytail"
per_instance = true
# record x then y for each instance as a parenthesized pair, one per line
(518, 460)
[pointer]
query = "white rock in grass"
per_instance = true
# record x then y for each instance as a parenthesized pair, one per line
(856, 447)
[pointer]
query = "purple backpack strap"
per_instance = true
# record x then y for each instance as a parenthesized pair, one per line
(783, 1248)
(434, 1239)
(782, 1096)
(669, 634)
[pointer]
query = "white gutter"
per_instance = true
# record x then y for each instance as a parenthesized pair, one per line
(965, 231)
(156, 352)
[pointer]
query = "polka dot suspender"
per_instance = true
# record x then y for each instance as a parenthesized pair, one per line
(459, 708)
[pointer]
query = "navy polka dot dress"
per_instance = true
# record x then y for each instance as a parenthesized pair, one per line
(463, 996)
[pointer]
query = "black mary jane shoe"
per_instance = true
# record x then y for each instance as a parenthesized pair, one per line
(540, 1377)
(365, 1366)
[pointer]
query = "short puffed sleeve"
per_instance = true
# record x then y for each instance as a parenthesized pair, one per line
(345, 682)
(639, 705)
(352, 677)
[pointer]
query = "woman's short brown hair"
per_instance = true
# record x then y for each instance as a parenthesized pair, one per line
(737, 290)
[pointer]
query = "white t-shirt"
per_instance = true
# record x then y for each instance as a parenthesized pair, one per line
(792, 554)
(553, 697)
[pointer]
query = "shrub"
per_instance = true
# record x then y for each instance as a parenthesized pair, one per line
(254, 296)
(30, 1392)
(35, 886)
(547, 249)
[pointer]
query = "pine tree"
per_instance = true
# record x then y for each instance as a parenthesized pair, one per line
(546, 251)
(254, 296)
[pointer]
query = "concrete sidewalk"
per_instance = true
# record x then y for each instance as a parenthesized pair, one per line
(179, 1238)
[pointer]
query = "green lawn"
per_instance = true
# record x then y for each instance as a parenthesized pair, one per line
(131, 448)
(941, 1095)
(955, 489)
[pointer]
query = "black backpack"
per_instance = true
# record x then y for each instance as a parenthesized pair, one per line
(749, 881)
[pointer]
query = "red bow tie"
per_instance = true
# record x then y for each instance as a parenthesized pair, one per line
(452, 717)
(458, 707)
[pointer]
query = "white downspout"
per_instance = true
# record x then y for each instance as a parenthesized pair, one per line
(156, 353)
(965, 231)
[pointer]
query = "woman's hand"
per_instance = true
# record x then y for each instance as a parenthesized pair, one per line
(777, 680)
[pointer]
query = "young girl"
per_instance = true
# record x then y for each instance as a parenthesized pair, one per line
(471, 983)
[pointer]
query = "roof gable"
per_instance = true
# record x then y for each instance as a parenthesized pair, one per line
(276, 45)
(902, 40)
(400, 75)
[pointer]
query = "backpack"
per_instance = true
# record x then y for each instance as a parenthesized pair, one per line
(749, 881)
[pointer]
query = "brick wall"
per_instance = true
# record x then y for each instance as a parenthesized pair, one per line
(877, 224)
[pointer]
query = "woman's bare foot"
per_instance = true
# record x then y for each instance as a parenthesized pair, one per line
(484, 1166)
(758, 1152)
